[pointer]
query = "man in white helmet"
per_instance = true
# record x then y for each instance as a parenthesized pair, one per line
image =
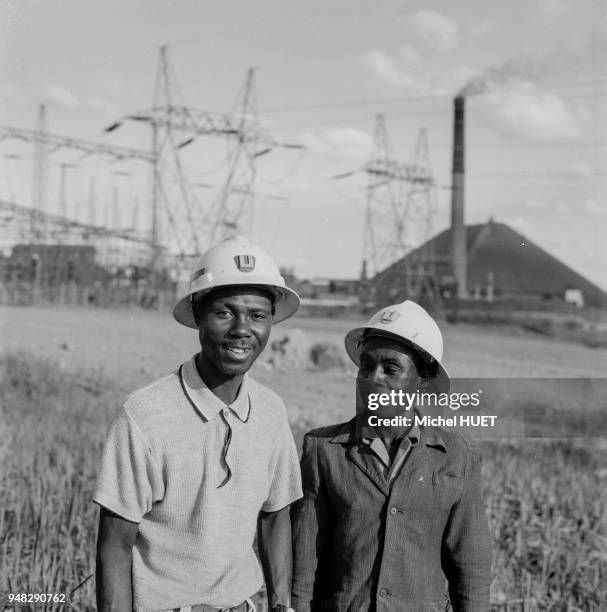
(392, 518)
(198, 461)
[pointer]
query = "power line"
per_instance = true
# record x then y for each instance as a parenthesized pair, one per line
(400, 99)
(533, 143)
(524, 175)
(425, 112)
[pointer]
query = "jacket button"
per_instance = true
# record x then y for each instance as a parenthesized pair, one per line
(393, 511)
(226, 413)
(384, 592)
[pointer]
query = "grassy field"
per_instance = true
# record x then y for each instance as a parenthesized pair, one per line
(55, 425)
(547, 500)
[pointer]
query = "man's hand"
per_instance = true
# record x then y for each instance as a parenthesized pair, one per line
(274, 545)
(114, 558)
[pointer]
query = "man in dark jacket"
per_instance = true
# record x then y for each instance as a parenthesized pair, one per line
(392, 517)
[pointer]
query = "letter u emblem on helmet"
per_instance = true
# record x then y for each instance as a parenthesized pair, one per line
(245, 263)
(389, 315)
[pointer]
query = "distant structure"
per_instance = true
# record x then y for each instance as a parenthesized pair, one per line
(400, 205)
(501, 265)
(458, 227)
(40, 172)
(56, 256)
(76, 262)
(181, 226)
(397, 218)
(44, 227)
(575, 297)
(180, 221)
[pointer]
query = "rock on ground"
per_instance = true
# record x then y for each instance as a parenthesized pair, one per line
(291, 351)
(327, 355)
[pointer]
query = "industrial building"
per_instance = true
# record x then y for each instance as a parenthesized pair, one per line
(501, 265)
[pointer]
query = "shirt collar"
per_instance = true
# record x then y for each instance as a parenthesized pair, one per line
(205, 401)
(378, 447)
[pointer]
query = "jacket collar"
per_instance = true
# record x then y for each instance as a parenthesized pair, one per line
(349, 435)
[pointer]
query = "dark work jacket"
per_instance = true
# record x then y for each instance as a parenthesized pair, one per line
(419, 545)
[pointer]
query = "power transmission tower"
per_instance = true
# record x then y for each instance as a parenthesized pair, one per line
(45, 144)
(81, 233)
(398, 211)
(383, 232)
(40, 173)
(400, 203)
(233, 209)
(63, 204)
(420, 272)
(165, 149)
(183, 223)
(92, 216)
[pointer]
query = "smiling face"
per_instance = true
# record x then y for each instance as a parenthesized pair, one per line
(234, 325)
(387, 365)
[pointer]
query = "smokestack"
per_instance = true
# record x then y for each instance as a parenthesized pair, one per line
(458, 229)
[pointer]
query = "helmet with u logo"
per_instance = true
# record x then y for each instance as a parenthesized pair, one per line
(411, 325)
(235, 261)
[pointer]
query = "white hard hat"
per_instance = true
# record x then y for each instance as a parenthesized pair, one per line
(410, 323)
(235, 262)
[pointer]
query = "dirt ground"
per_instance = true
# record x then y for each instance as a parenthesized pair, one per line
(133, 347)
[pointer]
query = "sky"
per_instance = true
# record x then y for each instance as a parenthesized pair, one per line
(533, 71)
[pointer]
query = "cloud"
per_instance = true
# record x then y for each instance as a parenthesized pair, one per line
(580, 168)
(435, 28)
(526, 110)
(391, 70)
(102, 105)
(314, 143)
(340, 141)
(409, 54)
(593, 207)
(552, 8)
(522, 225)
(61, 97)
(349, 138)
(481, 27)
(387, 69)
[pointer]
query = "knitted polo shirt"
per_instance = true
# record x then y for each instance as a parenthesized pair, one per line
(165, 466)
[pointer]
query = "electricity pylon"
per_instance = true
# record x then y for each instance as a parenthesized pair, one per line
(45, 144)
(40, 170)
(400, 204)
(80, 233)
(183, 223)
(232, 210)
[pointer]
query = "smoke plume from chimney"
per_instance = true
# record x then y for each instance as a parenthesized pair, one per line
(557, 63)
(511, 72)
